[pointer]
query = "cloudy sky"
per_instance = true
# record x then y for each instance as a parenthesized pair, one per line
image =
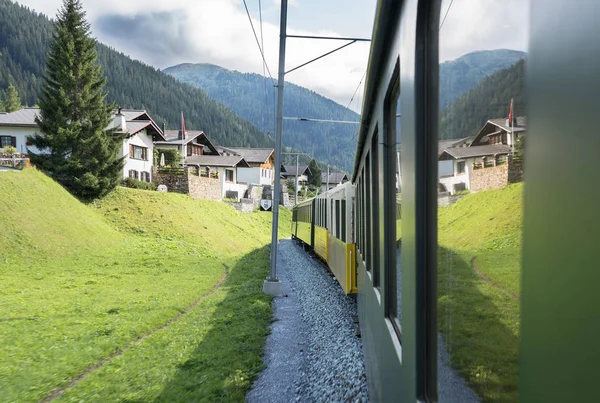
(164, 33)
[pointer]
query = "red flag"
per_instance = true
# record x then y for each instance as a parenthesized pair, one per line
(510, 113)
(183, 133)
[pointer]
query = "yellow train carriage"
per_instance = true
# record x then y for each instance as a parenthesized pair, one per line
(302, 224)
(303, 232)
(334, 237)
(321, 245)
(341, 261)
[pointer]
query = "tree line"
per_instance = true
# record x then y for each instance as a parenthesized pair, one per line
(24, 43)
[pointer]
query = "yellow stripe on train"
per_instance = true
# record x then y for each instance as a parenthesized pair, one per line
(342, 264)
(322, 242)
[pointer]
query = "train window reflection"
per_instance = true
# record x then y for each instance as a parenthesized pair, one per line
(393, 180)
(482, 126)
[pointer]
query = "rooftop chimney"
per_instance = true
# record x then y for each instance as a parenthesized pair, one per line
(119, 122)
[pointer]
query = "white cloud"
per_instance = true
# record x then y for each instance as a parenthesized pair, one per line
(483, 24)
(164, 33)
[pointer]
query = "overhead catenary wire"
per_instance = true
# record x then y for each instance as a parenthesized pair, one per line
(356, 90)
(258, 42)
(446, 15)
(262, 45)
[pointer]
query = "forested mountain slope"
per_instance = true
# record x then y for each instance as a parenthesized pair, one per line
(24, 40)
(463, 74)
(489, 100)
(253, 97)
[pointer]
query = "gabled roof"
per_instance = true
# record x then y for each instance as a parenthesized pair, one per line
(290, 170)
(133, 127)
(492, 126)
(223, 150)
(217, 161)
(135, 114)
(444, 144)
(172, 138)
(521, 124)
(474, 151)
(24, 117)
(334, 178)
(253, 155)
(136, 120)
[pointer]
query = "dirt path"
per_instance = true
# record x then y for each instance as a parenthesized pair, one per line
(488, 280)
(59, 392)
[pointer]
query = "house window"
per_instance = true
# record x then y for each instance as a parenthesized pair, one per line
(229, 175)
(8, 141)
(133, 174)
(145, 176)
(460, 167)
(138, 153)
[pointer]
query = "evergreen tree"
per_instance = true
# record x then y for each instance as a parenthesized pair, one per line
(315, 174)
(13, 102)
(77, 148)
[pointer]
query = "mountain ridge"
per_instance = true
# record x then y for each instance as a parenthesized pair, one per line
(24, 40)
(252, 96)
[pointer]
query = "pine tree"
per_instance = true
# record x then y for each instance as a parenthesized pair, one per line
(77, 148)
(13, 102)
(315, 174)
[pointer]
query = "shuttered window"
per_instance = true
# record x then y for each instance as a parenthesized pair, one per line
(8, 141)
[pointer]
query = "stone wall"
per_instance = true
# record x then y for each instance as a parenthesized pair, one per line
(201, 187)
(497, 177)
(244, 206)
(177, 183)
(187, 181)
(255, 194)
(489, 178)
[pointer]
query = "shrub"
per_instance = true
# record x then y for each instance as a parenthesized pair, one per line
(137, 184)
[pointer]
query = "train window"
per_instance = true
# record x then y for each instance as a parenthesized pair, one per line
(393, 180)
(336, 217)
(374, 172)
(481, 129)
(369, 220)
(344, 238)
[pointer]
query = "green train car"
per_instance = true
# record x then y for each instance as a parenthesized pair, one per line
(500, 288)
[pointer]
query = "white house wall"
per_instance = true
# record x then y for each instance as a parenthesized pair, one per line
(456, 178)
(254, 176)
(233, 186)
(141, 139)
(20, 133)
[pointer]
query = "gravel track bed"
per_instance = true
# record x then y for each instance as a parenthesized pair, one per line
(331, 366)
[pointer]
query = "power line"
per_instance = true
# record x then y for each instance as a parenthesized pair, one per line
(258, 43)
(447, 11)
(356, 90)
(262, 45)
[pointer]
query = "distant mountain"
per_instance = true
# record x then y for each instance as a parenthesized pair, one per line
(24, 41)
(253, 97)
(463, 74)
(490, 99)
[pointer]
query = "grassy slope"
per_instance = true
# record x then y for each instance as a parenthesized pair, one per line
(479, 310)
(83, 282)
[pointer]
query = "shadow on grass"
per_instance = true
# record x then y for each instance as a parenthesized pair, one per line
(227, 361)
(482, 348)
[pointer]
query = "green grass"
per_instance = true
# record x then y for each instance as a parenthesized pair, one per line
(479, 285)
(81, 283)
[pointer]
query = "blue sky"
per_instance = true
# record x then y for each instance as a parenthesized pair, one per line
(165, 33)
